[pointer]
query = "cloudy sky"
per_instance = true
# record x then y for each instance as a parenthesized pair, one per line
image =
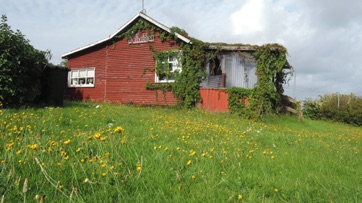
(323, 37)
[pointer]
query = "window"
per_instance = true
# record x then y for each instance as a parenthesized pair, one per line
(84, 77)
(168, 66)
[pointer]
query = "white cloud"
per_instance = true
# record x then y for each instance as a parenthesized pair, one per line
(248, 20)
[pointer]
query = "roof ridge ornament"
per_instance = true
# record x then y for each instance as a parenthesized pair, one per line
(143, 7)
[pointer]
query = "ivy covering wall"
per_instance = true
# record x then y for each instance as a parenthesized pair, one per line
(264, 99)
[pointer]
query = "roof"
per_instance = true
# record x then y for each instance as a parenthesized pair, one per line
(124, 28)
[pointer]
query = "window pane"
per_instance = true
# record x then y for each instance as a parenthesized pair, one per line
(171, 59)
(74, 74)
(74, 82)
(162, 76)
(83, 73)
(90, 80)
(90, 73)
(81, 81)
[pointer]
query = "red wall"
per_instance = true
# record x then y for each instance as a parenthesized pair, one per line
(120, 77)
(215, 100)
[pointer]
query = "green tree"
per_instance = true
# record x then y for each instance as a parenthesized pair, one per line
(21, 66)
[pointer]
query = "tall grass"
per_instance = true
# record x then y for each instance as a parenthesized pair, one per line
(88, 152)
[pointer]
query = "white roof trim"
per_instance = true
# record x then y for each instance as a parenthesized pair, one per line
(123, 27)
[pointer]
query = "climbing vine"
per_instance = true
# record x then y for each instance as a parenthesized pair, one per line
(140, 25)
(164, 87)
(241, 102)
(271, 63)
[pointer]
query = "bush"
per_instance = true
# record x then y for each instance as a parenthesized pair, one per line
(336, 107)
(21, 66)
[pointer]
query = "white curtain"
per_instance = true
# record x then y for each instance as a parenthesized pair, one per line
(240, 71)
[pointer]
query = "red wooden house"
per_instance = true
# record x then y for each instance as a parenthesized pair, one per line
(114, 69)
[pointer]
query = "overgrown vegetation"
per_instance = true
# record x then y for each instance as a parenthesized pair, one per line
(241, 102)
(138, 154)
(271, 63)
(336, 107)
(21, 66)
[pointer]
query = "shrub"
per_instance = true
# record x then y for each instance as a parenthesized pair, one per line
(336, 107)
(21, 66)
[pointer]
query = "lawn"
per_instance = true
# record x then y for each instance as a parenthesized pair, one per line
(88, 152)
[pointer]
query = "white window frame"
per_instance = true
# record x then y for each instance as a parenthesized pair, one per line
(82, 77)
(175, 66)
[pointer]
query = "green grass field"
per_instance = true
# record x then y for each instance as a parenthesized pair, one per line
(87, 152)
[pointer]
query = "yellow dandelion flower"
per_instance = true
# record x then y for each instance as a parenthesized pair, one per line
(273, 157)
(192, 153)
(102, 139)
(193, 177)
(19, 152)
(139, 166)
(97, 135)
(10, 144)
(86, 180)
(37, 198)
(104, 174)
(118, 129)
(166, 149)
(240, 197)
(189, 162)
(33, 147)
(78, 150)
(264, 152)
(275, 190)
(67, 142)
